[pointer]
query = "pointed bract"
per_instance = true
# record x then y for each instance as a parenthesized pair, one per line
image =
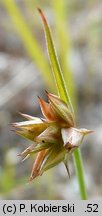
(29, 117)
(61, 110)
(37, 164)
(46, 110)
(73, 137)
(27, 151)
(50, 135)
(29, 129)
(55, 156)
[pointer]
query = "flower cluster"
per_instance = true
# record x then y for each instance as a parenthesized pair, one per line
(54, 137)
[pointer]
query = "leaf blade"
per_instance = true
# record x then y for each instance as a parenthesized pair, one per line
(57, 72)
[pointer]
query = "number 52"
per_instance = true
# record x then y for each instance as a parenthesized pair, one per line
(92, 207)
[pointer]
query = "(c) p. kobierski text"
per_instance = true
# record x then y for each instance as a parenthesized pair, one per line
(52, 208)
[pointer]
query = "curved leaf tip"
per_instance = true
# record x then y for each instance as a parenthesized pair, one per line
(42, 15)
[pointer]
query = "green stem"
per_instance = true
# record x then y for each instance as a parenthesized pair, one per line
(80, 173)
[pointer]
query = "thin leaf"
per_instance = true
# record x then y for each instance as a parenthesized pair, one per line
(55, 63)
(62, 31)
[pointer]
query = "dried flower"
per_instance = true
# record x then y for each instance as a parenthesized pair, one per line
(54, 137)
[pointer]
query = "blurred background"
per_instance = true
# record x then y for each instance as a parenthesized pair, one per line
(25, 73)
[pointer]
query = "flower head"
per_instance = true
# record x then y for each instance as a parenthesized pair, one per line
(54, 136)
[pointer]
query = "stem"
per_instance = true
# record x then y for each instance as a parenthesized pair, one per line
(60, 18)
(80, 173)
